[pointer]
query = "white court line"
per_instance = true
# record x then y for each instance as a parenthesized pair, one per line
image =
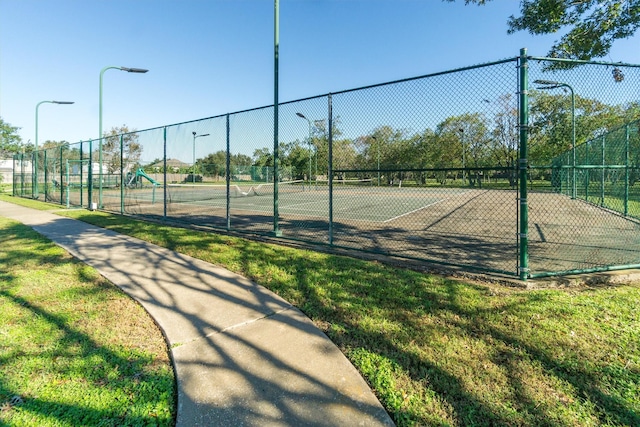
(424, 207)
(296, 208)
(414, 211)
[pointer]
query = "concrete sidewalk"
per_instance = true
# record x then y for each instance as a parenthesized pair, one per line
(242, 355)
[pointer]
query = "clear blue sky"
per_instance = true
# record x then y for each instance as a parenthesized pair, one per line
(210, 57)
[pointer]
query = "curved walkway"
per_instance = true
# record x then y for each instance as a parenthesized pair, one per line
(242, 355)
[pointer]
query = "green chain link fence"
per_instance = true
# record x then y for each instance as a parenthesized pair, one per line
(525, 166)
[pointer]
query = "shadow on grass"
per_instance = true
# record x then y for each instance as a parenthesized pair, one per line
(404, 300)
(228, 372)
(75, 345)
(75, 356)
(325, 288)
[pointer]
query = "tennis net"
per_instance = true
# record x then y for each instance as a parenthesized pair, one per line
(185, 193)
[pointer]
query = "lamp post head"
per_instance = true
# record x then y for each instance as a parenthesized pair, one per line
(194, 134)
(63, 102)
(133, 70)
(547, 82)
(301, 115)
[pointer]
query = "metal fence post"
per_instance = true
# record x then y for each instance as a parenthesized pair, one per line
(602, 175)
(523, 269)
(586, 172)
(121, 174)
(90, 177)
(66, 173)
(228, 175)
(164, 158)
(626, 170)
(330, 167)
(22, 174)
(33, 174)
(46, 178)
(276, 105)
(81, 176)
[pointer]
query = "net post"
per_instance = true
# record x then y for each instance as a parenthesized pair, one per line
(523, 235)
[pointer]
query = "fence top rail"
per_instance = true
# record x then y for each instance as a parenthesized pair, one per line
(424, 76)
(440, 73)
(583, 62)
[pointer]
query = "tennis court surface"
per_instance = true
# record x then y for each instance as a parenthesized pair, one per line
(446, 226)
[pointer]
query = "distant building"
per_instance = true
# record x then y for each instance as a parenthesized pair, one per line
(6, 171)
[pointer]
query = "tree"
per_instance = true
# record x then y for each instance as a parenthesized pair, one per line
(505, 136)
(594, 25)
(214, 164)
(132, 150)
(298, 158)
(551, 125)
(10, 141)
(464, 141)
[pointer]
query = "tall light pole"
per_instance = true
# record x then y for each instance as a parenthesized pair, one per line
(34, 191)
(128, 70)
(276, 110)
(308, 143)
(551, 84)
(194, 154)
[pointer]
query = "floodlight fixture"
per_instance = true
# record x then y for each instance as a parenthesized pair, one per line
(134, 70)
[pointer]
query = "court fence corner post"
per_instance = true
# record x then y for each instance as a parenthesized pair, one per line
(523, 235)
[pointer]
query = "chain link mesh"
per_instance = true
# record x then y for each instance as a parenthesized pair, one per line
(424, 168)
(583, 152)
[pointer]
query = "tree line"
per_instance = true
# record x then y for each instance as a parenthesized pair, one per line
(465, 142)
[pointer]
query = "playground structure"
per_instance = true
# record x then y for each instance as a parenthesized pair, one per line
(134, 180)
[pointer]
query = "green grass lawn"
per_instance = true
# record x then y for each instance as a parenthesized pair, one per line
(444, 352)
(74, 349)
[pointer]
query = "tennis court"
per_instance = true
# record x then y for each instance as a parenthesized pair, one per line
(381, 204)
(451, 226)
